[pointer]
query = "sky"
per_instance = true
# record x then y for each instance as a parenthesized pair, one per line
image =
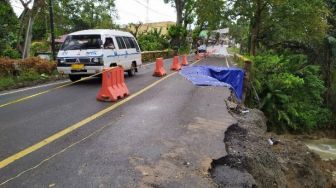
(136, 10)
(132, 11)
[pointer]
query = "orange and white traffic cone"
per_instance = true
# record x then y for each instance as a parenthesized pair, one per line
(176, 65)
(159, 69)
(184, 60)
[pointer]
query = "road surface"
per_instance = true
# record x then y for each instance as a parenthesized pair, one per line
(166, 133)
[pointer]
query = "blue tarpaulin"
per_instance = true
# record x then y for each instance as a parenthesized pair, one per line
(216, 76)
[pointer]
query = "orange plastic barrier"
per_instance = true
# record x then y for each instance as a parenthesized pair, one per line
(176, 65)
(184, 60)
(159, 69)
(113, 85)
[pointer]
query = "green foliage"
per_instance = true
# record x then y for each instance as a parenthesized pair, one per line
(11, 53)
(10, 81)
(177, 35)
(153, 40)
(195, 33)
(83, 14)
(273, 23)
(8, 26)
(39, 47)
(184, 49)
(291, 92)
(300, 21)
(210, 13)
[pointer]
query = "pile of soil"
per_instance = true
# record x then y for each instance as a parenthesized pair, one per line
(253, 162)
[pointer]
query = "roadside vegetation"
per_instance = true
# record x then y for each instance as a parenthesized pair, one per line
(292, 45)
(15, 73)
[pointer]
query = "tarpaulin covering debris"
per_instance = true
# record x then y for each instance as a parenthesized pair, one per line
(216, 76)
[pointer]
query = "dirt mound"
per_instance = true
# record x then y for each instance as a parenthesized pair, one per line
(256, 163)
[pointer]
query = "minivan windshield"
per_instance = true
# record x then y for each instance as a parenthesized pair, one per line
(82, 42)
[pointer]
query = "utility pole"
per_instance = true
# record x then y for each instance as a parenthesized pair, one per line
(51, 13)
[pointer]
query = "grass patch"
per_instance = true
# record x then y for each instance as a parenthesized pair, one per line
(233, 50)
(25, 78)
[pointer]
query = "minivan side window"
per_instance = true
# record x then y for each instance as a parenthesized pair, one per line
(131, 42)
(109, 43)
(121, 43)
(127, 42)
(136, 45)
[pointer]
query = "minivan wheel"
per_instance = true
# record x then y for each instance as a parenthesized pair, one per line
(131, 72)
(74, 78)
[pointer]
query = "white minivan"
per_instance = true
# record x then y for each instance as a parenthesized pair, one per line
(87, 52)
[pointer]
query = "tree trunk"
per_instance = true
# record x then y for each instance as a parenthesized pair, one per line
(31, 13)
(28, 38)
(255, 33)
(179, 4)
(328, 71)
(255, 27)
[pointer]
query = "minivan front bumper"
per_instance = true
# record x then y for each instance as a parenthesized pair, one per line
(88, 70)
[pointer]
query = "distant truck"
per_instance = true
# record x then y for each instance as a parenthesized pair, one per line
(87, 52)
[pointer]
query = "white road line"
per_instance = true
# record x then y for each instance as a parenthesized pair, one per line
(227, 62)
(30, 88)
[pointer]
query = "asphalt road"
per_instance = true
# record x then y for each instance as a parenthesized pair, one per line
(164, 136)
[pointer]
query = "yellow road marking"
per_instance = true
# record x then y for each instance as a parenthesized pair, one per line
(54, 155)
(70, 129)
(49, 90)
(35, 95)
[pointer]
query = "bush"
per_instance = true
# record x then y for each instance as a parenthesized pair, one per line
(177, 36)
(291, 92)
(153, 40)
(184, 49)
(11, 53)
(7, 67)
(39, 47)
(13, 71)
(37, 64)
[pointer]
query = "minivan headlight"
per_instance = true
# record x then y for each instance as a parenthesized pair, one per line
(95, 60)
(60, 60)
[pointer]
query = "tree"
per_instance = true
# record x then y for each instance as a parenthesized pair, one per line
(133, 28)
(184, 16)
(179, 6)
(277, 23)
(77, 15)
(328, 52)
(210, 14)
(70, 16)
(8, 26)
(27, 19)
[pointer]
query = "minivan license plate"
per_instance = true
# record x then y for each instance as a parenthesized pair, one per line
(77, 66)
